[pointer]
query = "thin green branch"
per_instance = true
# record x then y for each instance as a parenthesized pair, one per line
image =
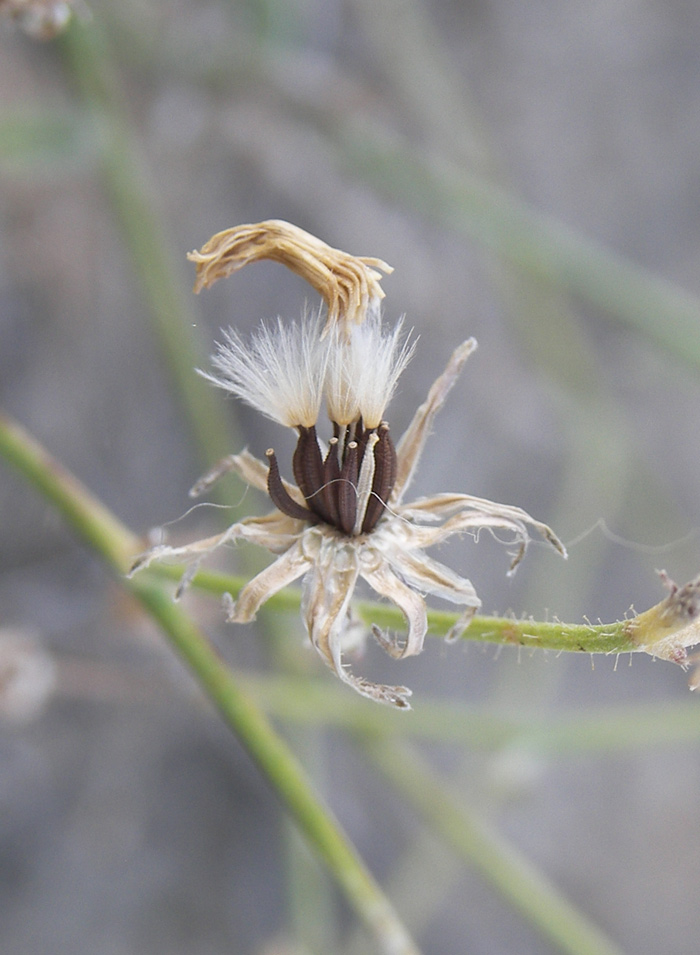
(664, 631)
(116, 545)
(87, 516)
(309, 702)
(88, 56)
(533, 634)
(521, 883)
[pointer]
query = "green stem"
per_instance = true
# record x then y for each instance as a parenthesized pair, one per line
(533, 634)
(309, 702)
(87, 53)
(116, 545)
(93, 522)
(521, 883)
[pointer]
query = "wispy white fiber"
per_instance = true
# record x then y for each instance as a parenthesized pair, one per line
(363, 372)
(280, 373)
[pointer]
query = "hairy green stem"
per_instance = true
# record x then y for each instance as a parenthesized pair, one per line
(533, 634)
(116, 546)
(521, 883)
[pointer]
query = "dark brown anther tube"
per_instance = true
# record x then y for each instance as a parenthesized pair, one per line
(279, 495)
(308, 471)
(384, 478)
(347, 488)
(298, 468)
(331, 476)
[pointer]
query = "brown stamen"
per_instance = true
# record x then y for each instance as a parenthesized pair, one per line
(347, 488)
(298, 468)
(280, 496)
(384, 478)
(308, 469)
(331, 485)
(331, 476)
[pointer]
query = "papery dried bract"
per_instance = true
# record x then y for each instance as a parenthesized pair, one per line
(671, 626)
(348, 284)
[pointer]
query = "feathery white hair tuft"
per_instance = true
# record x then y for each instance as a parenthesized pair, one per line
(280, 373)
(363, 372)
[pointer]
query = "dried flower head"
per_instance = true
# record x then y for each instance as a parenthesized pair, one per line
(344, 518)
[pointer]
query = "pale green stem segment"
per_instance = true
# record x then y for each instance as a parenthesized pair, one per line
(521, 883)
(666, 630)
(144, 234)
(585, 638)
(117, 546)
(312, 702)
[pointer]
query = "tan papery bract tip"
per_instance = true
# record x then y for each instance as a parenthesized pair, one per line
(668, 628)
(348, 284)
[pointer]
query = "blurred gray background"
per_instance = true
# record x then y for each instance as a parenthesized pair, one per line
(130, 820)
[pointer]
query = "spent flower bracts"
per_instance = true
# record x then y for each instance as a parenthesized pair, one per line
(344, 518)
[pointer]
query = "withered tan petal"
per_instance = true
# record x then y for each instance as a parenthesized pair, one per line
(291, 565)
(326, 596)
(470, 513)
(274, 531)
(385, 583)
(412, 442)
(249, 468)
(348, 284)
(196, 549)
(431, 577)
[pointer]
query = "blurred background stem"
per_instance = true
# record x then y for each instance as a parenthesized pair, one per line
(525, 887)
(88, 57)
(114, 544)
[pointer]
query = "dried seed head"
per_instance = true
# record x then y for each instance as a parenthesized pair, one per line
(348, 284)
(344, 520)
